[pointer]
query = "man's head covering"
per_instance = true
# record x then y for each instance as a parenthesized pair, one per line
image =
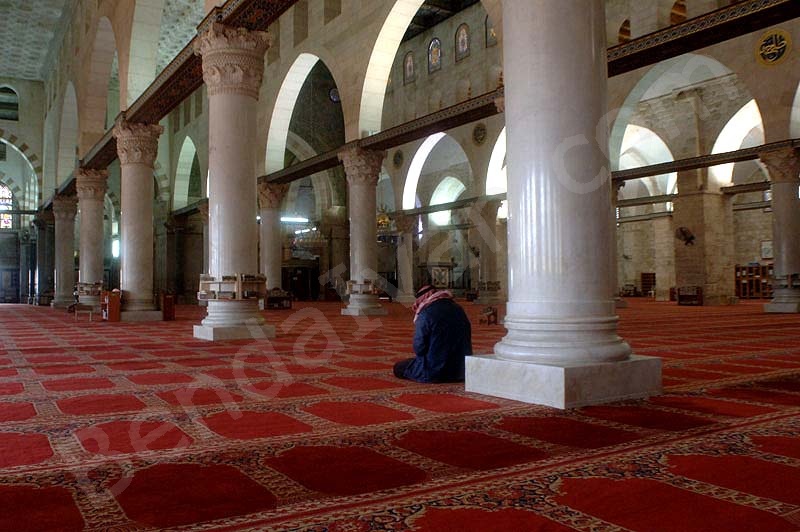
(424, 290)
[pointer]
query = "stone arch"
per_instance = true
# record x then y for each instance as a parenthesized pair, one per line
(794, 126)
(448, 190)
(95, 105)
(186, 157)
(682, 71)
(161, 183)
(641, 146)
(383, 55)
(733, 136)
(143, 51)
(68, 135)
(323, 193)
(285, 102)
(32, 158)
(446, 146)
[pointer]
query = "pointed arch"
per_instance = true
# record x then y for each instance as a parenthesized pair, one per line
(733, 135)
(383, 55)
(104, 48)
(68, 135)
(183, 173)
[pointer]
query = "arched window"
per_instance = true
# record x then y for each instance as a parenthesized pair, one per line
(491, 33)
(6, 204)
(625, 32)
(409, 69)
(463, 42)
(678, 13)
(9, 104)
(434, 55)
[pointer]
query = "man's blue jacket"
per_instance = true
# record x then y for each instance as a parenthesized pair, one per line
(443, 337)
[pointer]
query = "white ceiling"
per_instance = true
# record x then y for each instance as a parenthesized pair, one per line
(178, 26)
(27, 28)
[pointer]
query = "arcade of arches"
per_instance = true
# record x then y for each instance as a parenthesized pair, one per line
(516, 210)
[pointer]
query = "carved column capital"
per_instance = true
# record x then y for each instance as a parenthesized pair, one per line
(783, 165)
(405, 223)
(270, 195)
(91, 184)
(361, 166)
(500, 104)
(137, 143)
(65, 208)
(233, 59)
(203, 210)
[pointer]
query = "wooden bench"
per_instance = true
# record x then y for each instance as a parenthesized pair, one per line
(488, 316)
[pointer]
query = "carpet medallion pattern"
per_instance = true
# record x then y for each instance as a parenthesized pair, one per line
(141, 427)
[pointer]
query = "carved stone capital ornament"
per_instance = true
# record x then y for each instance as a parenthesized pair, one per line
(405, 223)
(361, 166)
(91, 184)
(203, 210)
(65, 208)
(783, 165)
(137, 143)
(270, 195)
(233, 59)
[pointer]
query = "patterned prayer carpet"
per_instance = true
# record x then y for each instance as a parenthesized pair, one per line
(139, 427)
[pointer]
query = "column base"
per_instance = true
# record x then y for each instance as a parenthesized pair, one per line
(782, 308)
(564, 386)
(141, 315)
(233, 320)
(62, 303)
(364, 305)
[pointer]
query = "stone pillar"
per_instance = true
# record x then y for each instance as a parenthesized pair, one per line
(233, 66)
(44, 257)
(405, 258)
(562, 347)
(484, 216)
(362, 168)
(137, 147)
(91, 186)
(64, 209)
(784, 172)
(618, 301)
(502, 257)
(26, 255)
(270, 196)
(664, 252)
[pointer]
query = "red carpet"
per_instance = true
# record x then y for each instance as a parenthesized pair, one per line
(139, 427)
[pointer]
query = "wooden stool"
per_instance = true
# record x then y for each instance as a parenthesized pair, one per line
(89, 309)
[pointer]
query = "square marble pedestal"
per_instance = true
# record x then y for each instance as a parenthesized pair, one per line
(568, 386)
(782, 308)
(239, 332)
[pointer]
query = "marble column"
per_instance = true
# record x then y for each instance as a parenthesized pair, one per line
(484, 216)
(233, 67)
(502, 257)
(784, 172)
(664, 251)
(44, 265)
(405, 258)
(137, 147)
(25, 266)
(562, 347)
(64, 209)
(270, 196)
(91, 186)
(362, 168)
(618, 301)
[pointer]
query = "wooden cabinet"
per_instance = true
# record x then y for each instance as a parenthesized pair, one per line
(238, 286)
(648, 283)
(754, 281)
(110, 306)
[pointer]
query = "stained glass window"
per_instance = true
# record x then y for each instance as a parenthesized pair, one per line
(434, 55)
(6, 204)
(462, 42)
(409, 69)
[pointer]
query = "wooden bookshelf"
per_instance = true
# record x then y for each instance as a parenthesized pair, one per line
(754, 281)
(240, 286)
